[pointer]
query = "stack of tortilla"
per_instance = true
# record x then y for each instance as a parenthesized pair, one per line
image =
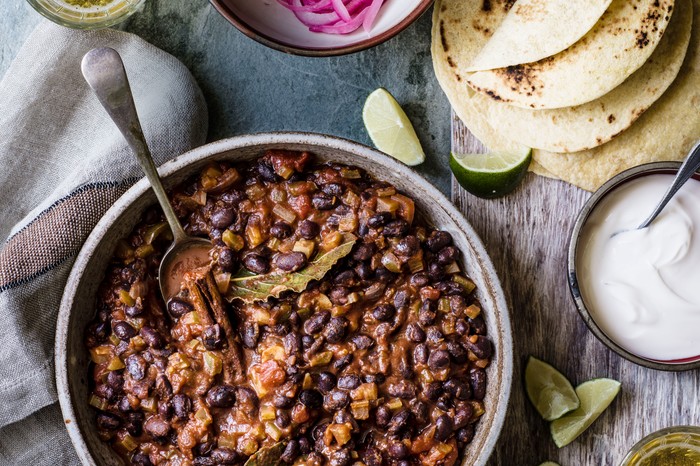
(593, 86)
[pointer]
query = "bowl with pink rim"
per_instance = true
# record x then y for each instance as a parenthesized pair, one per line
(272, 24)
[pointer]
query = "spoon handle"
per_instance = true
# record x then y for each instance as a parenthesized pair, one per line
(103, 70)
(689, 167)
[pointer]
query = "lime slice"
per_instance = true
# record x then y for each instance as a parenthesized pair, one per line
(595, 396)
(390, 129)
(549, 391)
(490, 175)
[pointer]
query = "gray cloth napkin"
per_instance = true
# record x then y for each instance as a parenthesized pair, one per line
(62, 165)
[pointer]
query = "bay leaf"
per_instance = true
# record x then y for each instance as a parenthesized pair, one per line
(251, 288)
(267, 456)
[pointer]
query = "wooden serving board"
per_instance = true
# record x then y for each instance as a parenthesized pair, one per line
(526, 234)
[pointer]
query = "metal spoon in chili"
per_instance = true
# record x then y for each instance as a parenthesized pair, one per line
(103, 70)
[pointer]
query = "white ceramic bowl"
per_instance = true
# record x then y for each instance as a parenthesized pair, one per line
(271, 24)
(78, 304)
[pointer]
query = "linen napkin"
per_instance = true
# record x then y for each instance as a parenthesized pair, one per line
(63, 163)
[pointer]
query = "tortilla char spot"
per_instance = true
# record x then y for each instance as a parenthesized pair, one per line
(611, 118)
(451, 62)
(599, 140)
(486, 5)
(532, 11)
(443, 37)
(459, 78)
(443, 8)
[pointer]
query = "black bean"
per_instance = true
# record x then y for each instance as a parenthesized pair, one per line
(457, 305)
(281, 230)
(316, 322)
(115, 379)
(438, 360)
(282, 419)
(311, 398)
(438, 240)
(450, 288)
(407, 246)
(382, 416)
(336, 329)
(140, 459)
(291, 261)
(414, 333)
(157, 427)
(163, 389)
(178, 308)
(336, 399)
(212, 337)
(404, 389)
(221, 396)
(134, 426)
(443, 427)
(398, 450)
(457, 352)
(401, 299)
(436, 272)
(465, 434)
(433, 390)
(326, 381)
(420, 354)
(223, 217)
(447, 255)
(291, 452)
(481, 348)
(364, 251)
(281, 401)
(265, 171)
(203, 461)
(364, 271)
(420, 411)
(134, 311)
(339, 295)
(477, 379)
(346, 278)
(444, 402)
(419, 280)
(304, 445)
(384, 275)
(434, 335)
(182, 405)
(362, 342)
(384, 312)
(462, 327)
(247, 400)
(308, 229)
(106, 392)
(478, 325)
(292, 344)
(463, 414)
(123, 330)
(108, 421)
(343, 362)
(223, 455)
(349, 382)
(151, 337)
(226, 259)
(400, 422)
(333, 189)
(136, 366)
(323, 201)
(459, 389)
(379, 219)
(307, 341)
(427, 314)
(165, 409)
(124, 405)
(205, 448)
(374, 378)
(341, 457)
(404, 364)
(256, 263)
(396, 228)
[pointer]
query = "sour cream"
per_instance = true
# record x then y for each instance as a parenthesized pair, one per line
(642, 287)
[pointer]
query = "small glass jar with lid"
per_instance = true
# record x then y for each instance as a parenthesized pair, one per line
(86, 14)
(673, 446)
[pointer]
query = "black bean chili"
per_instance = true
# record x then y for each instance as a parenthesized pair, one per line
(380, 362)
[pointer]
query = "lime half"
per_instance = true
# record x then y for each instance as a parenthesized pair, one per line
(490, 175)
(595, 396)
(390, 129)
(549, 391)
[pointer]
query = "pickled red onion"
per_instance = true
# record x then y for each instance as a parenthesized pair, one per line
(335, 16)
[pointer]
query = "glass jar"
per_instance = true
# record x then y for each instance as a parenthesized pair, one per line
(65, 13)
(674, 446)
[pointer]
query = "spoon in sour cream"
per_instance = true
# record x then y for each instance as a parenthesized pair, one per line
(103, 70)
(691, 164)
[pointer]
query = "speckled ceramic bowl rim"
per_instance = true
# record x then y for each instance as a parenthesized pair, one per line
(589, 206)
(491, 286)
(268, 41)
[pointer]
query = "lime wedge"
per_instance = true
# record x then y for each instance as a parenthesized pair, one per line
(390, 129)
(490, 175)
(595, 396)
(549, 391)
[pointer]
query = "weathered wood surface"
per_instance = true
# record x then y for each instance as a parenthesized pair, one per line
(526, 234)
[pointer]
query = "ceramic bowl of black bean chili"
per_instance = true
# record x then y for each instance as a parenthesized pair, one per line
(335, 324)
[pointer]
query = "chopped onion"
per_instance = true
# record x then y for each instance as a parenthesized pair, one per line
(335, 16)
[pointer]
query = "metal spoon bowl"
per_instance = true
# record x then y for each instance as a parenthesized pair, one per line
(104, 71)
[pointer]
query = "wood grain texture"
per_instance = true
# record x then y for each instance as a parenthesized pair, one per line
(526, 234)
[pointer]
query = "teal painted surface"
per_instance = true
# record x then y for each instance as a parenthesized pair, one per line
(251, 88)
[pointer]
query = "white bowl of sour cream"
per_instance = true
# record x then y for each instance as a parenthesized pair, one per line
(639, 290)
